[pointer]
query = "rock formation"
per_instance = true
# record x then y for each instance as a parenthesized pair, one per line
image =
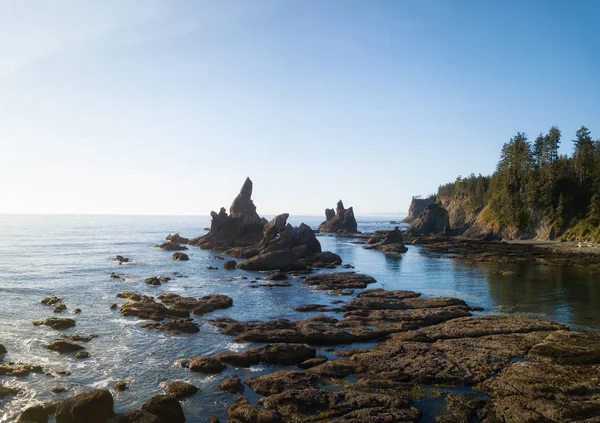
(433, 221)
(242, 227)
(340, 220)
(389, 242)
(417, 206)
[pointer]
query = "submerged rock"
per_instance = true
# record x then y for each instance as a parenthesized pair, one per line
(19, 369)
(174, 326)
(340, 280)
(121, 386)
(91, 407)
(172, 246)
(64, 346)
(53, 300)
(339, 221)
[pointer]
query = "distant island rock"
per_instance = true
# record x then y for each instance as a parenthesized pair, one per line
(339, 220)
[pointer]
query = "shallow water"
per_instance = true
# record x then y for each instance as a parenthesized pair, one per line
(70, 256)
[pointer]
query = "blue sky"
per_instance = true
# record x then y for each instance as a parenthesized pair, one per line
(165, 106)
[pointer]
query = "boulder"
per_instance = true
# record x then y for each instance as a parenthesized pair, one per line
(281, 353)
(174, 326)
(433, 221)
(172, 246)
(35, 414)
(392, 243)
(91, 407)
(166, 408)
(233, 385)
(229, 265)
(56, 322)
(121, 259)
(64, 347)
(276, 276)
(178, 388)
(139, 416)
(180, 256)
(208, 365)
(177, 239)
(339, 221)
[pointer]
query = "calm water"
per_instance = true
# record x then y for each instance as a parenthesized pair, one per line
(70, 256)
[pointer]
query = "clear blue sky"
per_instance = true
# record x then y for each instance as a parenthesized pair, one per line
(165, 106)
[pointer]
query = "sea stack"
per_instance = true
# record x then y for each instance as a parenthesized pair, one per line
(340, 220)
(417, 206)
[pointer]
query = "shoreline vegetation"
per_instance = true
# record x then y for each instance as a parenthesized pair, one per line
(413, 350)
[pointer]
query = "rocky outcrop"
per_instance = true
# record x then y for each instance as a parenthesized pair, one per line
(64, 346)
(340, 220)
(339, 280)
(56, 322)
(177, 239)
(417, 206)
(179, 388)
(433, 221)
(166, 407)
(172, 246)
(174, 326)
(390, 242)
(242, 227)
(233, 385)
(91, 407)
(284, 354)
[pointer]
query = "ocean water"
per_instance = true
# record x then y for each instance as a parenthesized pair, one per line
(71, 257)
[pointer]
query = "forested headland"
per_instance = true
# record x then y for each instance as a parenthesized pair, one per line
(535, 192)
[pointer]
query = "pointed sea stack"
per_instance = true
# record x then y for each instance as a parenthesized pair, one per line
(339, 221)
(243, 227)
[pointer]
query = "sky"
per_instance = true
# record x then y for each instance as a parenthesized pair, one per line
(166, 106)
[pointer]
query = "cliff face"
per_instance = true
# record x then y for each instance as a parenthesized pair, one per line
(461, 213)
(417, 206)
(433, 221)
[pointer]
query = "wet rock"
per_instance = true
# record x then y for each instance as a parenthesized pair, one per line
(178, 388)
(121, 259)
(53, 300)
(462, 409)
(339, 221)
(180, 256)
(433, 221)
(312, 362)
(147, 308)
(233, 385)
(57, 389)
(208, 365)
(339, 280)
(6, 391)
(172, 246)
(91, 407)
(114, 306)
(276, 276)
(230, 265)
(113, 275)
(276, 284)
(177, 239)
(325, 259)
(278, 260)
(35, 414)
(121, 386)
(392, 243)
(311, 307)
(139, 416)
(244, 412)
(59, 308)
(19, 369)
(157, 280)
(565, 347)
(56, 322)
(2, 349)
(77, 311)
(282, 380)
(131, 296)
(165, 407)
(341, 406)
(174, 326)
(198, 306)
(213, 419)
(78, 338)
(82, 355)
(64, 346)
(281, 353)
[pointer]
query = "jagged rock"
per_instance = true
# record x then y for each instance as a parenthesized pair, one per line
(19, 369)
(392, 243)
(178, 388)
(244, 412)
(121, 259)
(229, 265)
(91, 407)
(283, 354)
(339, 280)
(233, 385)
(53, 300)
(241, 228)
(131, 295)
(172, 246)
(56, 322)
(197, 306)
(64, 346)
(165, 407)
(433, 221)
(121, 386)
(177, 239)
(208, 365)
(59, 308)
(180, 256)
(416, 208)
(340, 220)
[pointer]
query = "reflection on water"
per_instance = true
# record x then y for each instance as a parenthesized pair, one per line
(70, 256)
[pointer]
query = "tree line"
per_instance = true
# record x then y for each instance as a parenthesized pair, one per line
(535, 186)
